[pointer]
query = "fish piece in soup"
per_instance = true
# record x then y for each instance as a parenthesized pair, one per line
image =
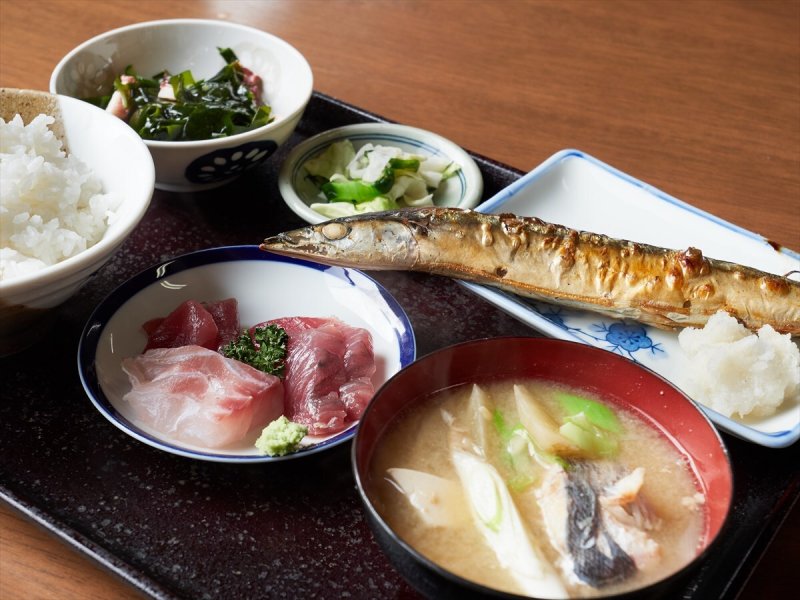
(597, 545)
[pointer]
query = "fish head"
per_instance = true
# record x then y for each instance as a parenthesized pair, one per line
(384, 240)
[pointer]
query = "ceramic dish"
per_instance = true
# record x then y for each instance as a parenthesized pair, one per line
(266, 287)
(463, 190)
(120, 160)
(618, 382)
(192, 44)
(574, 189)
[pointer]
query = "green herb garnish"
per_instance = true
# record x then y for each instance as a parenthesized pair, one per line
(265, 349)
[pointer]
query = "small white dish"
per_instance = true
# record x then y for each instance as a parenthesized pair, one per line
(574, 189)
(463, 190)
(266, 287)
(191, 44)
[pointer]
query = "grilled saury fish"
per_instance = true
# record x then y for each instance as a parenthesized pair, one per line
(527, 256)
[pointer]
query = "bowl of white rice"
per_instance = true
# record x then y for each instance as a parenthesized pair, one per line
(74, 182)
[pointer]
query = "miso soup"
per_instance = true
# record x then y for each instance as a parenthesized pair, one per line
(532, 488)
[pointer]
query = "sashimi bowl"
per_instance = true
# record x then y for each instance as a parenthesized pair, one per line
(171, 357)
(369, 167)
(51, 243)
(559, 470)
(262, 86)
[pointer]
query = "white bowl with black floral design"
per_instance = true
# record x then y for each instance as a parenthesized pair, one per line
(191, 44)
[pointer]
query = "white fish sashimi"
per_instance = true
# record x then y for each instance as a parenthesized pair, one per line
(197, 396)
(498, 520)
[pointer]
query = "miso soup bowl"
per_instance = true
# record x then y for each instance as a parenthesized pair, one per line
(615, 379)
(191, 44)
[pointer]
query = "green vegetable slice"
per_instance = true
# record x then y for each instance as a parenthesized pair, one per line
(597, 414)
(521, 452)
(350, 191)
(345, 176)
(593, 440)
(590, 425)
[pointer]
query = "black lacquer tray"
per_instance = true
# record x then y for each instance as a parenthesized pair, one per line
(178, 528)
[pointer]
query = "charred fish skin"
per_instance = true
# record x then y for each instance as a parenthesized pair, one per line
(666, 288)
(592, 565)
(572, 502)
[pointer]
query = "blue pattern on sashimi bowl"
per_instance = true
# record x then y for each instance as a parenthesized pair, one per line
(266, 287)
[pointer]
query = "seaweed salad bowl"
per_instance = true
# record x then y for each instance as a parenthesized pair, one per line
(195, 54)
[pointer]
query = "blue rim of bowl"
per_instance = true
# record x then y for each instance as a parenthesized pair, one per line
(93, 331)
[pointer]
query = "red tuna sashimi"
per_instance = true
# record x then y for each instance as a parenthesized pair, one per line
(226, 315)
(329, 366)
(359, 364)
(189, 324)
(200, 397)
(207, 324)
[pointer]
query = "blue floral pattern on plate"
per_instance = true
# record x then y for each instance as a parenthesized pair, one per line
(229, 162)
(622, 337)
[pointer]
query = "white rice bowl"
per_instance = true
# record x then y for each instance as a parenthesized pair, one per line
(52, 206)
(63, 217)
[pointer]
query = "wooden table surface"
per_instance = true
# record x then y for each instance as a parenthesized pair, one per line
(700, 99)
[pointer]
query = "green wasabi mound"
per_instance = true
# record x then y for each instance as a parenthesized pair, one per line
(281, 437)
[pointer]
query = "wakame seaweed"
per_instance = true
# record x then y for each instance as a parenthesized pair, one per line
(168, 107)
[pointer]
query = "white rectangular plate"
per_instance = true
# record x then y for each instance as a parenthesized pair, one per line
(574, 189)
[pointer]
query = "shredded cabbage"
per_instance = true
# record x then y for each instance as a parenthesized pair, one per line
(333, 210)
(374, 178)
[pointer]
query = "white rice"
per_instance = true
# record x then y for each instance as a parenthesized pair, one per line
(734, 371)
(51, 205)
